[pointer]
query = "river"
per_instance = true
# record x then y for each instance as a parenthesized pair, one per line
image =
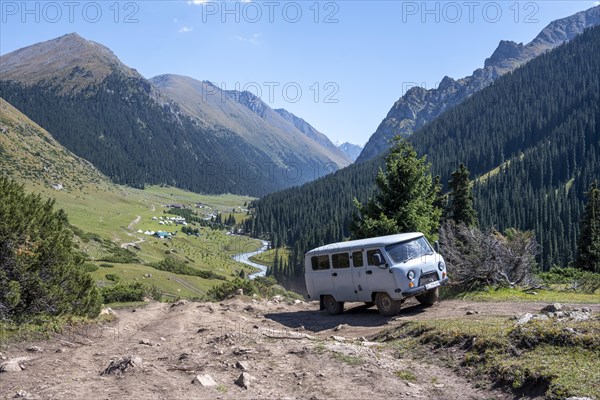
(245, 258)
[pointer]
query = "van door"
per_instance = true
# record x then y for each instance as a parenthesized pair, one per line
(319, 279)
(342, 277)
(359, 276)
(377, 276)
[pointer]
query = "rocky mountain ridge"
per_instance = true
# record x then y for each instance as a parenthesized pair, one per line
(419, 106)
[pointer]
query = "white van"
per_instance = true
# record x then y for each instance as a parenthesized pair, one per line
(383, 270)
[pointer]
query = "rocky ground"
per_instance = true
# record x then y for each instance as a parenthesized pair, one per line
(242, 348)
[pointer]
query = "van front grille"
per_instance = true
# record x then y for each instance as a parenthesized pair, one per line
(428, 278)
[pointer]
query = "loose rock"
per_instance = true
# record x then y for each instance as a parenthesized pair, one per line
(21, 394)
(243, 365)
(244, 379)
(121, 365)
(552, 308)
(204, 380)
(11, 366)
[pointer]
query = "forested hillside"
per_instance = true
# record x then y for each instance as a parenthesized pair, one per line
(109, 114)
(118, 127)
(532, 138)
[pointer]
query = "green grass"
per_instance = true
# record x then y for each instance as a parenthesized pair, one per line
(407, 376)
(347, 359)
(44, 326)
(172, 285)
(557, 358)
(105, 212)
(520, 295)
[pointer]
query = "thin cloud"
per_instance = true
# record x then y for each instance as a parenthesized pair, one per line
(252, 39)
(186, 29)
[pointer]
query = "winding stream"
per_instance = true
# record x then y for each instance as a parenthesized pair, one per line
(245, 258)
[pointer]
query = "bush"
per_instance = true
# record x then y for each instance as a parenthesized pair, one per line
(135, 291)
(89, 267)
(113, 277)
(588, 282)
(105, 265)
(224, 290)
(575, 278)
(558, 275)
(263, 286)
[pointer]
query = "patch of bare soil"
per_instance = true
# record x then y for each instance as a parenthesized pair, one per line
(240, 349)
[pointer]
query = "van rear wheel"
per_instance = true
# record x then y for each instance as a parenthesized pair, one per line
(386, 305)
(332, 306)
(430, 297)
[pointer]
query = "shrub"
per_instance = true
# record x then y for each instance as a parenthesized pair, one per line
(113, 277)
(559, 275)
(588, 282)
(226, 289)
(134, 291)
(89, 267)
(105, 265)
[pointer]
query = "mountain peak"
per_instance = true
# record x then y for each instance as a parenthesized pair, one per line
(419, 106)
(69, 59)
(506, 50)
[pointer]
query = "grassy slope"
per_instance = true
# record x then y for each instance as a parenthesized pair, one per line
(555, 359)
(30, 155)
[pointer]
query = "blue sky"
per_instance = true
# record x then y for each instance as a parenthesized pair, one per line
(340, 65)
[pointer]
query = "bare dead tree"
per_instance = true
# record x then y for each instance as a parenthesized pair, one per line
(477, 258)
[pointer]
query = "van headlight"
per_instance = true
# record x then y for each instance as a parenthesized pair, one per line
(441, 266)
(411, 275)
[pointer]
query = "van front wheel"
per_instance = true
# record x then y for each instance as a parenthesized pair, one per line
(332, 306)
(430, 297)
(386, 305)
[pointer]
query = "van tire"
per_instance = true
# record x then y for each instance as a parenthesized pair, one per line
(430, 297)
(332, 306)
(386, 305)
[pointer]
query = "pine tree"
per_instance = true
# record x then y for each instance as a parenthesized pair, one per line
(588, 246)
(404, 200)
(40, 271)
(461, 198)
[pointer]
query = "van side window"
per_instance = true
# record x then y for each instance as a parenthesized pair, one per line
(319, 262)
(341, 260)
(370, 254)
(357, 259)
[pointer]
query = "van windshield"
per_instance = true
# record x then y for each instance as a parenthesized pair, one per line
(405, 251)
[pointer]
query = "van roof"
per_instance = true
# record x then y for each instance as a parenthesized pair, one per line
(362, 243)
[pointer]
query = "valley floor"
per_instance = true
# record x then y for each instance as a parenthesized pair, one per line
(289, 350)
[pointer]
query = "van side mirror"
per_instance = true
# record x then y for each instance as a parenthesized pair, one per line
(378, 259)
(436, 246)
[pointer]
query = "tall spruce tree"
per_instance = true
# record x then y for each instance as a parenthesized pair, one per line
(40, 272)
(404, 200)
(588, 247)
(460, 206)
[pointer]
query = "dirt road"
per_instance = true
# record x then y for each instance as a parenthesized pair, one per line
(288, 350)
